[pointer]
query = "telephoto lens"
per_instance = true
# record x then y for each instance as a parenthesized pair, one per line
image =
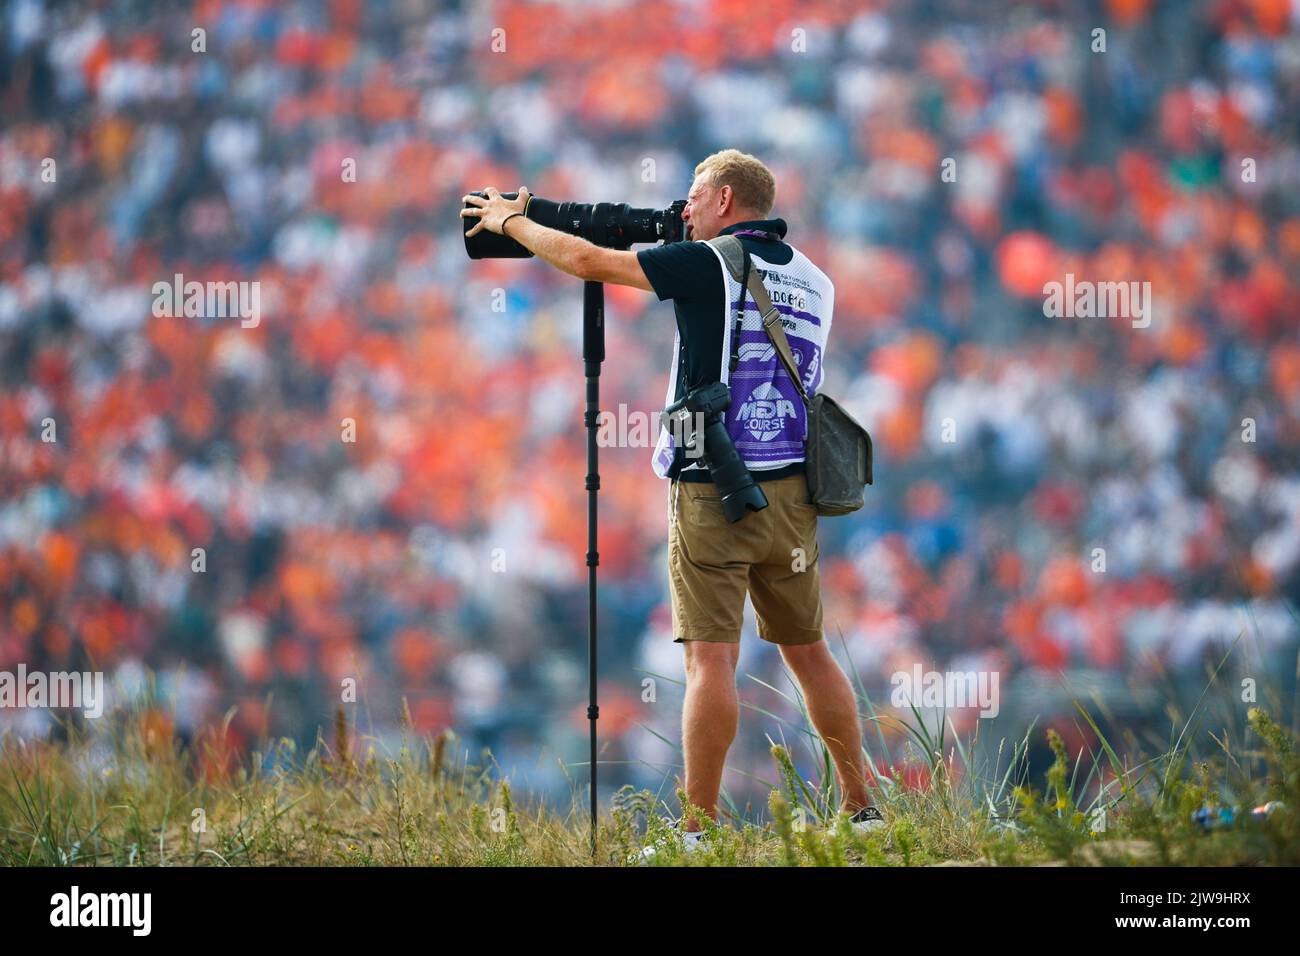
(613, 225)
(490, 245)
(740, 493)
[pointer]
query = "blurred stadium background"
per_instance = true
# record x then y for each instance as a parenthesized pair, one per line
(374, 560)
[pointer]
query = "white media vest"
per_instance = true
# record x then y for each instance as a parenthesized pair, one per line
(767, 419)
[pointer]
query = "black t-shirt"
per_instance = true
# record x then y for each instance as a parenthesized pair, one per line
(692, 276)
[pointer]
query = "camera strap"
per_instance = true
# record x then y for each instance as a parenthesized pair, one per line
(740, 316)
(744, 290)
(737, 258)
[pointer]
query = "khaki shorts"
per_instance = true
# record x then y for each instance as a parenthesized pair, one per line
(772, 554)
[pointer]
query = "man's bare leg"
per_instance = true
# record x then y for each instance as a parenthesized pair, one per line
(834, 712)
(710, 716)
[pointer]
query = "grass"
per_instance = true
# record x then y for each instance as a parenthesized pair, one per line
(129, 795)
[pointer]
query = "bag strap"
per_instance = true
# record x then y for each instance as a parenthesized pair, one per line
(737, 259)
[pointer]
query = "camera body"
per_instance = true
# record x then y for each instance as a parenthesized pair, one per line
(613, 225)
(740, 493)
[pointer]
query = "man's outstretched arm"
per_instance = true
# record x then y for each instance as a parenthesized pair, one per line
(570, 254)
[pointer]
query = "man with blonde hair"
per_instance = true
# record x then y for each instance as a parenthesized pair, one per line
(771, 554)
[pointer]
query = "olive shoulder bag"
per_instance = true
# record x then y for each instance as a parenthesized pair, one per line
(838, 448)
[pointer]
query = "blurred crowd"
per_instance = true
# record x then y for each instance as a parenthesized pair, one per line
(380, 485)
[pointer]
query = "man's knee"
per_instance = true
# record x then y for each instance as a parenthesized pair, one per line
(805, 657)
(710, 657)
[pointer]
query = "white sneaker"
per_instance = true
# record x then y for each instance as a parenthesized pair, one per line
(690, 841)
(866, 820)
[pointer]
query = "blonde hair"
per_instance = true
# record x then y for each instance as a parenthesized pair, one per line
(752, 183)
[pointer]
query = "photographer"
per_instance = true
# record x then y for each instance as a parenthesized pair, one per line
(771, 553)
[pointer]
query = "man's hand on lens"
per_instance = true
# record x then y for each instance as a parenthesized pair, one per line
(493, 211)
